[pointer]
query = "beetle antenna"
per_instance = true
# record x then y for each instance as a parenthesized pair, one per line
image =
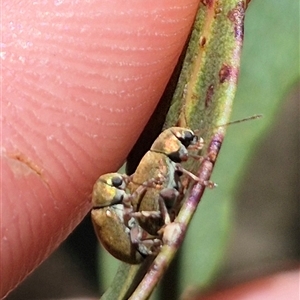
(254, 117)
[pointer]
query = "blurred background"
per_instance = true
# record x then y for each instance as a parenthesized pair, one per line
(249, 225)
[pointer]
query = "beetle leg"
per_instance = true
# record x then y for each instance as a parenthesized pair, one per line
(147, 244)
(168, 204)
(147, 214)
(141, 190)
(207, 183)
(167, 201)
(197, 157)
(164, 212)
(138, 193)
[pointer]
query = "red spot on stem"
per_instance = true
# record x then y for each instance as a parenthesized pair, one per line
(228, 73)
(209, 95)
(236, 16)
(202, 41)
(208, 3)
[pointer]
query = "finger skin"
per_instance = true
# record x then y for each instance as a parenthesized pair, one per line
(284, 285)
(80, 80)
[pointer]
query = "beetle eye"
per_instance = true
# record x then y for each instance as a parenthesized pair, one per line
(117, 181)
(187, 138)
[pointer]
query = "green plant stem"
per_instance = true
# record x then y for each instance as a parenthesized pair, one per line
(204, 96)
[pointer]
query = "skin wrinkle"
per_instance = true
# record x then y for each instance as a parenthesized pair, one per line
(63, 160)
(66, 159)
(52, 151)
(117, 31)
(16, 253)
(17, 237)
(17, 259)
(122, 33)
(27, 93)
(16, 154)
(77, 115)
(71, 47)
(28, 231)
(82, 150)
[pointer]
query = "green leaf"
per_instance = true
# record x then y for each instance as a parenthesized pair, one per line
(270, 66)
(204, 96)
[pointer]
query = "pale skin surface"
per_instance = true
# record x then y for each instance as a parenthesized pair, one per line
(80, 80)
(283, 285)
